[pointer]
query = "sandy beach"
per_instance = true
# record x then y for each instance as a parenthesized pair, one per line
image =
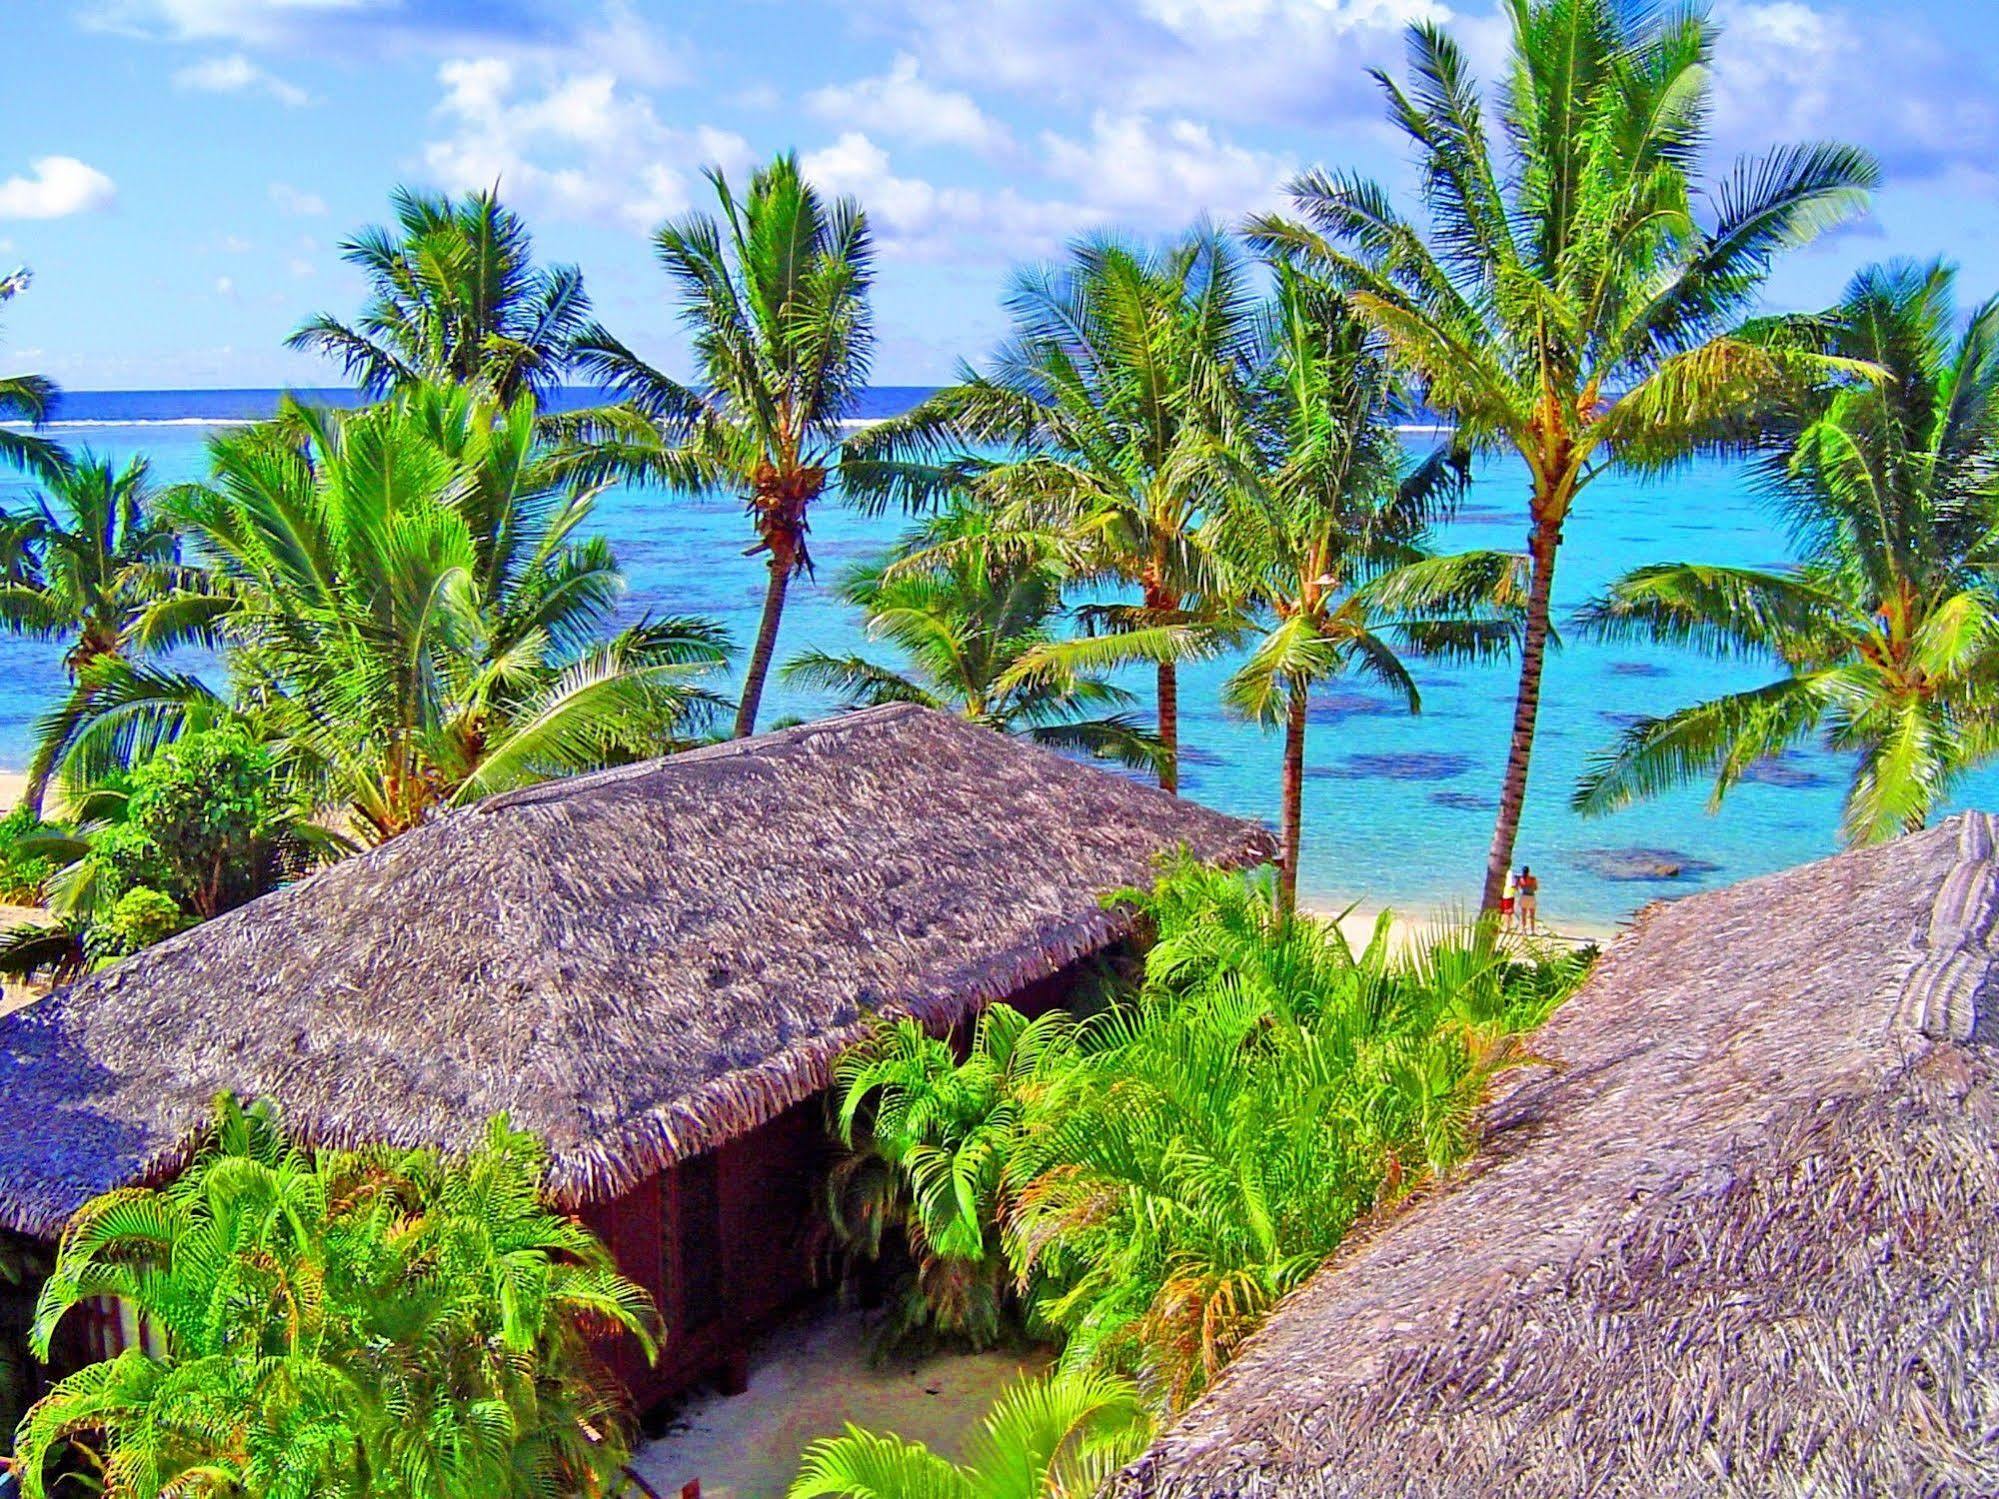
(1358, 923)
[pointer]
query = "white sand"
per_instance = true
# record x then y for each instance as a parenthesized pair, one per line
(808, 1380)
(1359, 921)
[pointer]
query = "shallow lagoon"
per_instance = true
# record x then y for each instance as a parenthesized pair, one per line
(1398, 808)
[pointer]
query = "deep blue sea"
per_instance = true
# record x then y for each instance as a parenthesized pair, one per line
(1398, 808)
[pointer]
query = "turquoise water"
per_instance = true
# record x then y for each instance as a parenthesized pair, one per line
(1398, 809)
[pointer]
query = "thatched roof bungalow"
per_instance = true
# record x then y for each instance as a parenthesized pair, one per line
(653, 968)
(1743, 1238)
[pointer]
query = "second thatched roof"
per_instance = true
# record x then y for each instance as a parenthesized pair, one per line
(1744, 1239)
(635, 965)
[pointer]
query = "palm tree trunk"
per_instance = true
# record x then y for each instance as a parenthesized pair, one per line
(1541, 547)
(1169, 726)
(1291, 815)
(753, 683)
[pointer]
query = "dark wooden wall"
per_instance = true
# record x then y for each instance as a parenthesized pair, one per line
(728, 1242)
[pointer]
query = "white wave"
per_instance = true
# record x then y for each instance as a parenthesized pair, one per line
(133, 421)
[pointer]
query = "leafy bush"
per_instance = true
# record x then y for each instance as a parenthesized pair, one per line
(1155, 1177)
(1063, 1433)
(138, 918)
(334, 1323)
(24, 871)
(208, 822)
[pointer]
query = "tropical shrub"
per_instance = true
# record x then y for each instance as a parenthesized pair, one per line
(210, 822)
(24, 867)
(929, 1138)
(137, 919)
(331, 1323)
(1157, 1175)
(1061, 1434)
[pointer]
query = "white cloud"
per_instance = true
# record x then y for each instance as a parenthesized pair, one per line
(581, 143)
(59, 186)
(1128, 171)
(1242, 60)
(255, 22)
(918, 219)
(225, 286)
(295, 203)
(901, 104)
(1787, 70)
(301, 267)
(234, 244)
(1165, 172)
(236, 74)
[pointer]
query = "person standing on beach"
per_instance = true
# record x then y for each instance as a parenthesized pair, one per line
(1527, 899)
(1506, 903)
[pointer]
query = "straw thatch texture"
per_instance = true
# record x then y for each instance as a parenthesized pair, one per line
(1744, 1241)
(635, 964)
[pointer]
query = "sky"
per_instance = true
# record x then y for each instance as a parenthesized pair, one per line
(178, 174)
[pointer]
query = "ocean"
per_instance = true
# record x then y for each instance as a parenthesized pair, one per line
(1398, 808)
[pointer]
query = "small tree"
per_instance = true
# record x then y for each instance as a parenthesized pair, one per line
(209, 823)
(328, 1323)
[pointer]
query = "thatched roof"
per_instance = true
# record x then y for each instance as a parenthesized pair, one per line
(636, 964)
(1744, 1240)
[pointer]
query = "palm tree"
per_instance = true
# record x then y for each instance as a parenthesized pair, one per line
(1122, 380)
(25, 398)
(775, 290)
(331, 1323)
(1570, 304)
(96, 565)
(96, 559)
(1328, 529)
(455, 296)
(977, 614)
(1888, 632)
(413, 616)
(1056, 1435)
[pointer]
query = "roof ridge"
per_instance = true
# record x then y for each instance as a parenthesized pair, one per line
(1942, 994)
(562, 786)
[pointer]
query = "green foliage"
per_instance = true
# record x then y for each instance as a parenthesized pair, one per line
(979, 615)
(333, 1323)
(1887, 634)
(1065, 1434)
(1158, 1175)
(138, 918)
(1112, 404)
(413, 621)
(25, 399)
(456, 298)
(24, 867)
(208, 822)
(929, 1139)
(775, 288)
(1566, 290)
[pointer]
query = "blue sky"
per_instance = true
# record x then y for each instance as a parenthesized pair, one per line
(178, 173)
